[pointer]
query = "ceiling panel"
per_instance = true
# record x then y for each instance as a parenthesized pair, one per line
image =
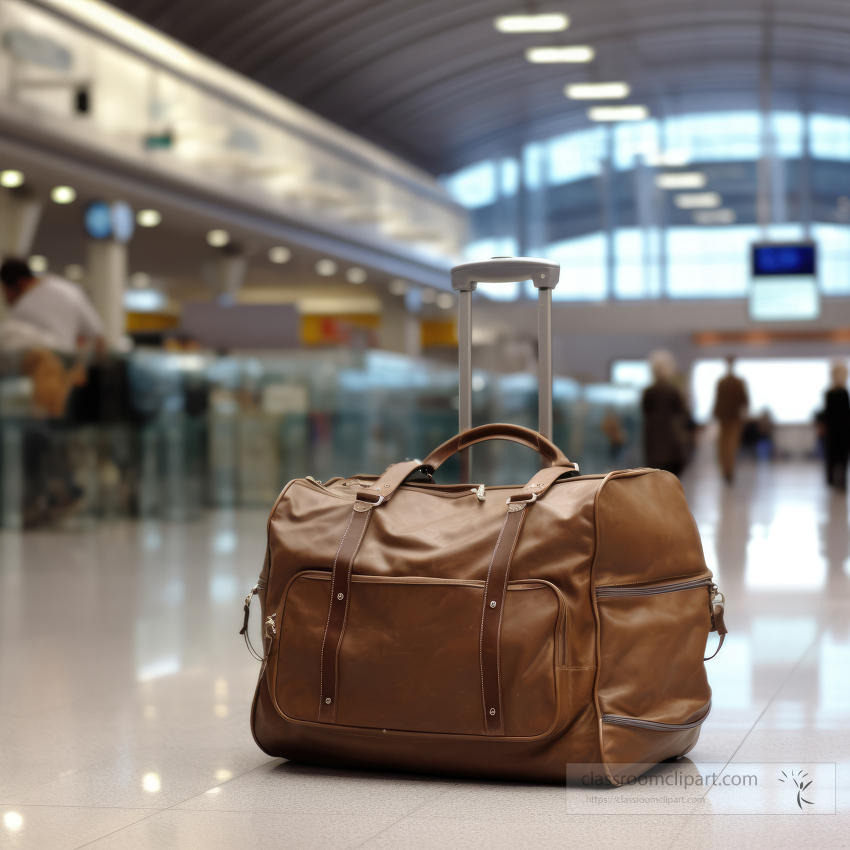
(434, 82)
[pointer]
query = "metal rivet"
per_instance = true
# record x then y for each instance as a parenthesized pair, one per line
(386, 485)
(493, 604)
(542, 277)
(492, 711)
(340, 596)
(328, 700)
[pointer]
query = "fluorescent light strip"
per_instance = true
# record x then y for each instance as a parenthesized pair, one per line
(618, 113)
(681, 180)
(698, 200)
(597, 91)
(552, 22)
(552, 55)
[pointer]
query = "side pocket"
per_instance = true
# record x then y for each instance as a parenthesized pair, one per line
(652, 689)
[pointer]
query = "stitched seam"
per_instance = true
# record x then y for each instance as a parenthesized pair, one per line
(345, 614)
(330, 608)
(501, 614)
(483, 615)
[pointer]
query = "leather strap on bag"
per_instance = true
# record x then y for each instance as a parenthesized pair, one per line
(495, 590)
(338, 608)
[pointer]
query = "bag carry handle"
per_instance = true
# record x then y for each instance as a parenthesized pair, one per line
(551, 454)
(394, 476)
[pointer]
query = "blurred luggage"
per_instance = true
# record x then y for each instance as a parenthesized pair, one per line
(505, 632)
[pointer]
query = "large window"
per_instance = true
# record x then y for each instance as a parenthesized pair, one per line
(597, 201)
(789, 389)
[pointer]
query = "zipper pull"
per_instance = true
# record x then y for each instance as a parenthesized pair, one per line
(270, 627)
(479, 491)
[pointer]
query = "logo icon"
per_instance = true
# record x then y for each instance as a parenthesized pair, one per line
(798, 781)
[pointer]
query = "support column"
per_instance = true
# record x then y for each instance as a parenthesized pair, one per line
(106, 278)
(609, 211)
(805, 181)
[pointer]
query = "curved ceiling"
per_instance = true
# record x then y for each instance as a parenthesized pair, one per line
(434, 82)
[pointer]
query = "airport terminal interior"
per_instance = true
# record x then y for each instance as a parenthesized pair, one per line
(227, 235)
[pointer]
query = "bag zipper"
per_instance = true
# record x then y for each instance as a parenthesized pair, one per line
(654, 725)
(607, 591)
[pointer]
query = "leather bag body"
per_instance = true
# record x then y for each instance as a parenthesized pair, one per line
(501, 632)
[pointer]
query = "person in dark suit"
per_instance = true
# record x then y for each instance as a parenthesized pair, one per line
(730, 409)
(665, 418)
(836, 425)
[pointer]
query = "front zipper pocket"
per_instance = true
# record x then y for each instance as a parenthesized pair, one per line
(654, 725)
(409, 659)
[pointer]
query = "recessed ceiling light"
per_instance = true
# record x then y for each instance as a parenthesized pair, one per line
(148, 218)
(547, 22)
(356, 275)
(698, 200)
(429, 296)
(445, 300)
(597, 91)
(618, 113)
(280, 254)
(326, 268)
(74, 271)
(547, 55)
(38, 263)
(63, 194)
(11, 178)
(397, 286)
(681, 180)
(218, 238)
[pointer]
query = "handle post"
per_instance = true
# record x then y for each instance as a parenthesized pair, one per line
(544, 362)
(544, 274)
(464, 362)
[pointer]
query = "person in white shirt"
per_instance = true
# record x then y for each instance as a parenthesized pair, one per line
(53, 305)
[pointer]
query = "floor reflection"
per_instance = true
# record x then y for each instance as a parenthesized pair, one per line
(779, 543)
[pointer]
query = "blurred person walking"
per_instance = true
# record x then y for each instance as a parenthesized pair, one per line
(666, 434)
(730, 410)
(836, 423)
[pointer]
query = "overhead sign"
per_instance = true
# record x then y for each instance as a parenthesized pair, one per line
(784, 286)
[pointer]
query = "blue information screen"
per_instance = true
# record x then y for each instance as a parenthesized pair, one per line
(794, 258)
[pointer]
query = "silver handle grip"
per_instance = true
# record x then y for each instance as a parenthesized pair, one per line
(544, 274)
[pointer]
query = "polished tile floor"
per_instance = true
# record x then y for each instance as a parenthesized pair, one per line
(125, 690)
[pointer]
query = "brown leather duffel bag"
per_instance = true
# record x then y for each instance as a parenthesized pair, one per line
(500, 632)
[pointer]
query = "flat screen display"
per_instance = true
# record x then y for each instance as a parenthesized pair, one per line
(783, 259)
(784, 299)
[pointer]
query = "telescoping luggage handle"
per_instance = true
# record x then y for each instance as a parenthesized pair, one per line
(544, 274)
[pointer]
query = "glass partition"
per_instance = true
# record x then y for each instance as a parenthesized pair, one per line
(207, 431)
